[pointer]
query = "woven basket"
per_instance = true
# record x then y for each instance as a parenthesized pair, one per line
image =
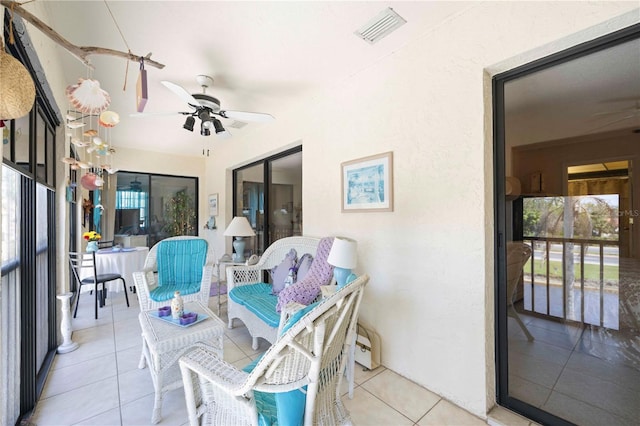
(16, 86)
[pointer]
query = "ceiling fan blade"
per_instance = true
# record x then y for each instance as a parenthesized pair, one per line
(156, 114)
(259, 117)
(181, 92)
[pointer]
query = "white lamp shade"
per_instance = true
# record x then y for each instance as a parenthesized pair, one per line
(343, 253)
(239, 227)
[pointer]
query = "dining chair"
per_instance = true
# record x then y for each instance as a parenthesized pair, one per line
(80, 263)
(105, 244)
(296, 381)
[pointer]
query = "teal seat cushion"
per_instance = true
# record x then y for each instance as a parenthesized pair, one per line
(282, 409)
(258, 299)
(180, 264)
(166, 292)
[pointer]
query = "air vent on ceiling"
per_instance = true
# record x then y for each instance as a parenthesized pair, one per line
(237, 124)
(380, 26)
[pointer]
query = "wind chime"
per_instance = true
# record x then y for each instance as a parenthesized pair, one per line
(89, 126)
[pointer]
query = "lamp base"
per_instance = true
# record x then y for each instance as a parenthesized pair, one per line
(238, 246)
(342, 276)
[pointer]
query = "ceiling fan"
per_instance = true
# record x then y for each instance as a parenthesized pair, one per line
(620, 115)
(206, 107)
(135, 186)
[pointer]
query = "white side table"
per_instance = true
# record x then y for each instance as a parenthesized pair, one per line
(163, 344)
(219, 277)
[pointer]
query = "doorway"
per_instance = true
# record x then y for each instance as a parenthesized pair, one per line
(568, 265)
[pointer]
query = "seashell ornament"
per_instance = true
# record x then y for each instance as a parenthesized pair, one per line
(109, 119)
(87, 96)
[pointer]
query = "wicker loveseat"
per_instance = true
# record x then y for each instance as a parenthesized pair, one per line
(255, 308)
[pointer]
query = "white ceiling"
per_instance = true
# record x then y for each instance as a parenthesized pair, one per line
(265, 55)
(262, 55)
(596, 93)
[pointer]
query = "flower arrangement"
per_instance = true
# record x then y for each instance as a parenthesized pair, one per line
(91, 236)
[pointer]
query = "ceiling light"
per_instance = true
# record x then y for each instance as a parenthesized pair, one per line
(220, 131)
(204, 129)
(188, 124)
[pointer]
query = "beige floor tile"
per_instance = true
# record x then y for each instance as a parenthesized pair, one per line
(530, 392)
(174, 410)
(365, 409)
(244, 341)
(78, 404)
(500, 416)
(602, 393)
(362, 374)
(135, 384)
(128, 334)
(129, 359)
(92, 343)
(446, 413)
(534, 369)
(80, 374)
(581, 413)
(405, 396)
(108, 418)
(232, 352)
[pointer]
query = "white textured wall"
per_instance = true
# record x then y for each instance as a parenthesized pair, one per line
(431, 291)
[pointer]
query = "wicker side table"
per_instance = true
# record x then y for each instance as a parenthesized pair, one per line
(164, 343)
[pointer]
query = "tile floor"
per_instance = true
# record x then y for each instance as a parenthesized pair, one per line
(588, 375)
(100, 384)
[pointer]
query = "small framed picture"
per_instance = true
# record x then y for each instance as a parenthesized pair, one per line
(213, 205)
(367, 184)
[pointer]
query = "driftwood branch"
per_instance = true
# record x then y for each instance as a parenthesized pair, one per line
(80, 52)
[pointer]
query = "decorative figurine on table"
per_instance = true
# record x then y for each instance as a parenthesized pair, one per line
(177, 306)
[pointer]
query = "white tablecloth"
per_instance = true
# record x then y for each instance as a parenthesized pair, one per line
(124, 262)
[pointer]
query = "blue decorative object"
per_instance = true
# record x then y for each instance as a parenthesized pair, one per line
(92, 246)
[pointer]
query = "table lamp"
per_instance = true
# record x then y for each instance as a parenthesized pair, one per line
(343, 256)
(239, 228)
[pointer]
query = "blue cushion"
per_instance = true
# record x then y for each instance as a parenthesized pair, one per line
(258, 299)
(180, 264)
(160, 294)
(283, 409)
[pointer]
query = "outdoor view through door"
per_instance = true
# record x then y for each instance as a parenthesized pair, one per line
(569, 286)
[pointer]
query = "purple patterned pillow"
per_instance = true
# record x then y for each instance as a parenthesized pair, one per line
(303, 265)
(279, 273)
(307, 289)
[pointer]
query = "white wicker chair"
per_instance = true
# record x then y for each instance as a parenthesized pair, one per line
(517, 255)
(243, 275)
(312, 353)
(146, 280)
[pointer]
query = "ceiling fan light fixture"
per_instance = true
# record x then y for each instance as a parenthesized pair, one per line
(188, 124)
(204, 130)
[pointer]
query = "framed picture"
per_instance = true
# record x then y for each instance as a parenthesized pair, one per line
(213, 205)
(367, 184)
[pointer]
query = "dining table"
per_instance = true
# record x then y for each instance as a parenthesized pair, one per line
(123, 261)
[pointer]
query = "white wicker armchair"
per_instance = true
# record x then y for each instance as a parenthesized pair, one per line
(313, 352)
(243, 275)
(146, 280)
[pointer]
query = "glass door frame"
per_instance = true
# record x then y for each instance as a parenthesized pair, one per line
(266, 178)
(503, 397)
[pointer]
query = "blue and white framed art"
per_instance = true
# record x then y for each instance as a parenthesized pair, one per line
(367, 184)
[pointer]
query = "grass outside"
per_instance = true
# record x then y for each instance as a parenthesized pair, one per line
(591, 271)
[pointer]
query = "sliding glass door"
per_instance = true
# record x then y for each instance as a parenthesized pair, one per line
(269, 194)
(568, 251)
